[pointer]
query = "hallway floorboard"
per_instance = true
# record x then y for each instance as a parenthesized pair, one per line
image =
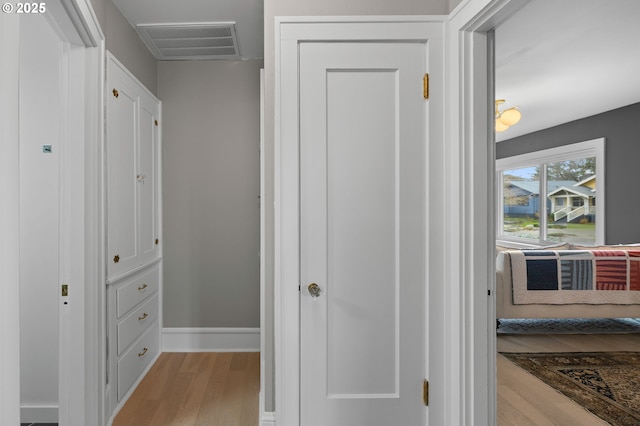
(202, 388)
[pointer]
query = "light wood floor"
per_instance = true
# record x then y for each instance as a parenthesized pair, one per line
(525, 400)
(221, 389)
(212, 389)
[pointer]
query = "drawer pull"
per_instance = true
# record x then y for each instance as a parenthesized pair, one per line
(143, 316)
(143, 287)
(143, 353)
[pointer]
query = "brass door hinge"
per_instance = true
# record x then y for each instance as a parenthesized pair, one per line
(425, 392)
(115, 93)
(155, 122)
(425, 86)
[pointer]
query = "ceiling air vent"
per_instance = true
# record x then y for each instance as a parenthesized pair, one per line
(175, 42)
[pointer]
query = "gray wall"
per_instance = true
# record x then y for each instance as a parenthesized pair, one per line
(100, 9)
(621, 128)
(123, 42)
(211, 185)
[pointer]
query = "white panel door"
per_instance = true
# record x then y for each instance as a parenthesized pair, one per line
(363, 213)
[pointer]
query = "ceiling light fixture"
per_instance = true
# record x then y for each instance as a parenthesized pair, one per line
(506, 118)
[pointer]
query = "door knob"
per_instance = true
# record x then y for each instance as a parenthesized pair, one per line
(314, 290)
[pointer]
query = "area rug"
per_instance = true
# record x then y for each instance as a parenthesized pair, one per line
(605, 383)
(569, 326)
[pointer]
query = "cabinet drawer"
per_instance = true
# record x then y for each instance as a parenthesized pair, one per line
(136, 359)
(136, 322)
(136, 290)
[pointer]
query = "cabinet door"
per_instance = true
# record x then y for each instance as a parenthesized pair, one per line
(133, 146)
(122, 165)
(148, 177)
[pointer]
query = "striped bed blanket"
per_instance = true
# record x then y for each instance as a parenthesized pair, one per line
(575, 276)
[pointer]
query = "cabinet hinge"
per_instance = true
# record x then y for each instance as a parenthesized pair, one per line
(115, 93)
(425, 392)
(425, 86)
(65, 290)
(155, 122)
(157, 241)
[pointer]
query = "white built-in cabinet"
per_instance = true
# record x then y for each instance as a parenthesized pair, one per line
(132, 211)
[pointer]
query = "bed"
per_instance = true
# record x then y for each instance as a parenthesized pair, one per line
(597, 282)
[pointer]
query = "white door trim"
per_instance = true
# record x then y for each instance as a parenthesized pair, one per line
(76, 23)
(470, 175)
(263, 298)
(81, 356)
(289, 32)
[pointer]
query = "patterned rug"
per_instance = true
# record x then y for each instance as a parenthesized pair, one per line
(605, 383)
(569, 326)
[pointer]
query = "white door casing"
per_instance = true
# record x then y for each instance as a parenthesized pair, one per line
(469, 178)
(385, 176)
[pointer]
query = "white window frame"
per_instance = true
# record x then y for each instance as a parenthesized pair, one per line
(591, 148)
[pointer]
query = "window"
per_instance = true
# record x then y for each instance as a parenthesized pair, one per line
(549, 196)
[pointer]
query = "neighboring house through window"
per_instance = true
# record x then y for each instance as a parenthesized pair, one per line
(549, 196)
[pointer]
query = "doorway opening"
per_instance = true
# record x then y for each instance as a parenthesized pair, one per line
(60, 133)
(552, 122)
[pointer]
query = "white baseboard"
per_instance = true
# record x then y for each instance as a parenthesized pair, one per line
(38, 414)
(210, 339)
(268, 419)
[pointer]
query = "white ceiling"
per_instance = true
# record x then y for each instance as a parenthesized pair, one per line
(561, 60)
(556, 60)
(247, 14)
